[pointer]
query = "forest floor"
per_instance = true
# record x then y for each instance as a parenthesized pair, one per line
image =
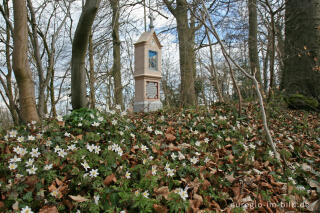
(188, 160)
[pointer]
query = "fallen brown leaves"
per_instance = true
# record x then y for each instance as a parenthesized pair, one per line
(78, 198)
(109, 179)
(162, 191)
(60, 187)
(48, 209)
(160, 209)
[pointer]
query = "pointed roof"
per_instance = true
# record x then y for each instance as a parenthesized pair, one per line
(146, 36)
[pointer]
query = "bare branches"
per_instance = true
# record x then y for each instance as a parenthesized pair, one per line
(212, 29)
(170, 7)
(5, 14)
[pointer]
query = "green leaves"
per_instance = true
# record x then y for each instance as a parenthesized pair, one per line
(176, 203)
(27, 197)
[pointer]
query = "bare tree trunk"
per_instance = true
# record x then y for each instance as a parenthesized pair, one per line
(265, 65)
(116, 68)
(213, 70)
(272, 56)
(79, 48)
(253, 41)
(36, 52)
(302, 48)
(91, 73)
(188, 96)
(186, 51)
(280, 48)
(110, 92)
(52, 96)
(21, 65)
(234, 84)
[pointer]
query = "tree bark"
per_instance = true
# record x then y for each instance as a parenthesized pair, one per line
(79, 48)
(92, 78)
(116, 68)
(237, 89)
(21, 65)
(186, 51)
(37, 57)
(265, 65)
(52, 96)
(253, 41)
(280, 47)
(302, 39)
(272, 55)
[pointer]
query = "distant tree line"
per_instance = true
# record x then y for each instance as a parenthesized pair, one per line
(275, 41)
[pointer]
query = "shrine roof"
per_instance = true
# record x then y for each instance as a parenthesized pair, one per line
(147, 36)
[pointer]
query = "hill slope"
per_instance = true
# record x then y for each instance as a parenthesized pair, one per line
(204, 160)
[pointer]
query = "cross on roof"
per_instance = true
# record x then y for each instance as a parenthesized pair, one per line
(151, 26)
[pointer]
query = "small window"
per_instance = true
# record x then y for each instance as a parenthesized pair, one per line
(153, 60)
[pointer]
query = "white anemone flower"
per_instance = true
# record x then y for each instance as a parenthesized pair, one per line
(30, 162)
(15, 159)
(72, 147)
(95, 124)
(145, 194)
(85, 165)
(181, 156)
(170, 172)
(13, 133)
(173, 156)
(271, 153)
(183, 193)
(157, 132)
(62, 153)
(35, 153)
(48, 167)
(96, 199)
(32, 170)
(128, 175)
(144, 148)
(94, 173)
(194, 160)
(154, 170)
(114, 122)
(48, 143)
(97, 149)
(20, 139)
(12, 166)
(31, 138)
(26, 209)
(55, 193)
(67, 134)
(57, 149)
(90, 148)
